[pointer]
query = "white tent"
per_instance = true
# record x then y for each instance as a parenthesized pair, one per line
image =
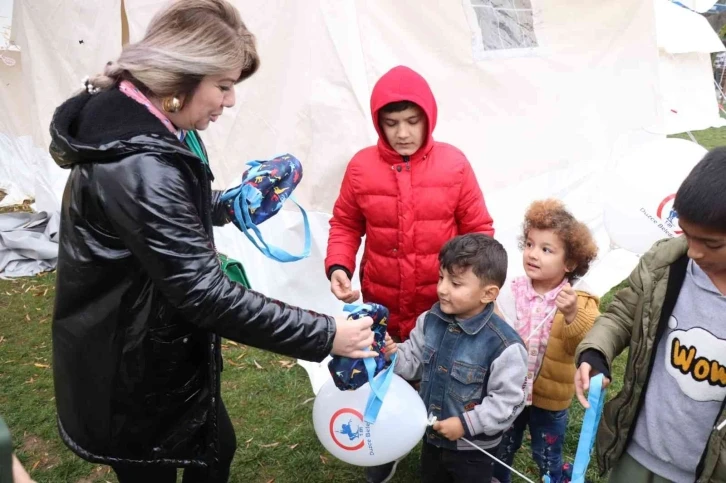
(685, 42)
(541, 96)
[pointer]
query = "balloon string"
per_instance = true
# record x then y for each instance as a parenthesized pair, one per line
(498, 460)
(431, 422)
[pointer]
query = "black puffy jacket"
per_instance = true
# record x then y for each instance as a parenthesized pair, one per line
(141, 301)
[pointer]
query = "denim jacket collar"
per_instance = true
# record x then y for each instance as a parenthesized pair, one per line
(470, 326)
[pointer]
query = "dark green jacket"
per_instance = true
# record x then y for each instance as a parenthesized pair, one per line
(636, 319)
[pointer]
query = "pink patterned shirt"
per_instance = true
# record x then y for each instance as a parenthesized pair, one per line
(532, 308)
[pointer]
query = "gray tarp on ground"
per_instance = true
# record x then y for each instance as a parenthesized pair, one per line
(28, 243)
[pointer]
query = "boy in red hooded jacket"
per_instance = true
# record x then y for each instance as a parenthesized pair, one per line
(409, 195)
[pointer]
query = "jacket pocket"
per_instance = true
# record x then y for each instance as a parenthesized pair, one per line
(427, 358)
(176, 356)
(467, 382)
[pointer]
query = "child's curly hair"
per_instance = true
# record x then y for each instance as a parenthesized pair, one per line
(551, 214)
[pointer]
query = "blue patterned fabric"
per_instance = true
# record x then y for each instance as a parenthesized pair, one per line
(349, 374)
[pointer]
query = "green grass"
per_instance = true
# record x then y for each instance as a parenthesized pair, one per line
(268, 398)
(708, 138)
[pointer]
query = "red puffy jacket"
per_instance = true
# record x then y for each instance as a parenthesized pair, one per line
(407, 208)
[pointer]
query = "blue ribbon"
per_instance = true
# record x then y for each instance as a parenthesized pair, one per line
(241, 204)
(596, 398)
(379, 385)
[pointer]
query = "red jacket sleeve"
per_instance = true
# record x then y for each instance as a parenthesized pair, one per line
(347, 227)
(472, 215)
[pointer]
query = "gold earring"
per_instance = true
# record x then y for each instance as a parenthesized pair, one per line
(171, 104)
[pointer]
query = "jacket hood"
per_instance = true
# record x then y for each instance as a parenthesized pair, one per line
(105, 127)
(403, 84)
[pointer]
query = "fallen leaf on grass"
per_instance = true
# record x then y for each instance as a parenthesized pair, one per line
(294, 445)
(229, 361)
(286, 364)
(271, 481)
(307, 401)
(256, 364)
(241, 356)
(271, 445)
(231, 342)
(42, 366)
(27, 317)
(323, 459)
(2, 339)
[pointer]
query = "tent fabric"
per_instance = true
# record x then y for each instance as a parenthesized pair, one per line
(681, 30)
(28, 243)
(544, 113)
(687, 93)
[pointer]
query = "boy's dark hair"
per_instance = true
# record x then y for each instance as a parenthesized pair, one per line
(486, 257)
(701, 199)
(551, 214)
(397, 106)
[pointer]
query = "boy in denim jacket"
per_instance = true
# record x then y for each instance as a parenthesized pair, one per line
(471, 363)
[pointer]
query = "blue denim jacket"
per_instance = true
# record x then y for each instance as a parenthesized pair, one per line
(457, 361)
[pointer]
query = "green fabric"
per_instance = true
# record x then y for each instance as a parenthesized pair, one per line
(193, 142)
(234, 270)
(6, 454)
(231, 267)
(631, 321)
(630, 471)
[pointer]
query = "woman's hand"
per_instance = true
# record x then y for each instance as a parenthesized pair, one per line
(352, 337)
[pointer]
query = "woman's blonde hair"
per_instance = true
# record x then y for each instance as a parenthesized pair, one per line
(188, 40)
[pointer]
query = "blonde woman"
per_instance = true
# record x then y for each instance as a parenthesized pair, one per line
(141, 300)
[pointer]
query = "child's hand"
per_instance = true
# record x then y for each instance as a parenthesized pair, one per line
(340, 286)
(450, 428)
(390, 348)
(566, 302)
(582, 382)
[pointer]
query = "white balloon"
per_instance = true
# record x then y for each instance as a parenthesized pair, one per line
(640, 193)
(339, 425)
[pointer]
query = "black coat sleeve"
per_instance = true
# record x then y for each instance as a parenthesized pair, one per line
(219, 212)
(150, 204)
